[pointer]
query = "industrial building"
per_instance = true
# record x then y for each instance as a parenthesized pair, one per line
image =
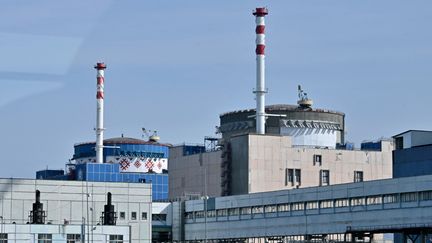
(127, 160)
(275, 147)
(74, 211)
(413, 153)
(121, 159)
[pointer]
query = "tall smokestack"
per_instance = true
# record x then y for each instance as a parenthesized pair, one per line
(100, 67)
(260, 90)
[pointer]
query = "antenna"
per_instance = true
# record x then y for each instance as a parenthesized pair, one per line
(150, 135)
(304, 101)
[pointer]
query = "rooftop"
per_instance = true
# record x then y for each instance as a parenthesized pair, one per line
(283, 107)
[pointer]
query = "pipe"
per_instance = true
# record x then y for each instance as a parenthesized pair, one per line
(260, 90)
(100, 67)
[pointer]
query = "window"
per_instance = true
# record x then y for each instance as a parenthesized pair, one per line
(311, 205)
(297, 206)
(199, 214)
(3, 238)
(144, 216)
(122, 215)
(409, 197)
(222, 212)
(324, 177)
(317, 159)
(373, 200)
(289, 177)
(392, 198)
(258, 209)
(425, 196)
(341, 203)
(73, 238)
(211, 213)
(270, 209)
(44, 238)
(284, 207)
(399, 143)
(358, 176)
(326, 204)
(133, 216)
(233, 211)
(298, 176)
(159, 217)
(115, 238)
(187, 215)
(358, 201)
(245, 211)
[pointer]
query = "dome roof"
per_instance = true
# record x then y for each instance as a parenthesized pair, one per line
(126, 140)
(283, 107)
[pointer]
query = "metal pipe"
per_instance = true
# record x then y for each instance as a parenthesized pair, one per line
(260, 90)
(100, 67)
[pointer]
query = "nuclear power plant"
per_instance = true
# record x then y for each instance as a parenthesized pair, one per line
(279, 173)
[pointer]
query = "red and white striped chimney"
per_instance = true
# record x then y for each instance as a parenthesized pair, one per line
(260, 90)
(100, 67)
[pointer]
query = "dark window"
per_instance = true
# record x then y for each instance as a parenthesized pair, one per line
(298, 176)
(324, 177)
(133, 216)
(3, 238)
(358, 176)
(399, 143)
(159, 217)
(144, 216)
(122, 215)
(115, 238)
(44, 238)
(317, 159)
(289, 177)
(73, 238)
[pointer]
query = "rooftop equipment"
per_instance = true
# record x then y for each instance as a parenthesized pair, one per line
(37, 215)
(109, 215)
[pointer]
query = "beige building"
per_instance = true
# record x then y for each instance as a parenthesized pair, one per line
(257, 163)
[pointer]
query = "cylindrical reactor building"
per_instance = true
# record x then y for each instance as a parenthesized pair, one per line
(307, 126)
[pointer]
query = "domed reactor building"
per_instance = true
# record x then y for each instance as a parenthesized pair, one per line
(120, 159)
(275, 147)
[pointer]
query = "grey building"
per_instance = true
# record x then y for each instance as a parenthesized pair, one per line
(413, 153)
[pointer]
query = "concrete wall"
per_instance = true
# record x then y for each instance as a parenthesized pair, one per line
(67, 200)
(270, 156)
(259, 163)
(189, 174)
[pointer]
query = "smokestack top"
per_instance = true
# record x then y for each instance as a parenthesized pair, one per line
(100, 66)
(260, 12)
(37, 196)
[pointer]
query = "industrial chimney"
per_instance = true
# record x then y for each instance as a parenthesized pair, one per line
(109, 215)
(260, 90)
(100, 67)
(37, 215)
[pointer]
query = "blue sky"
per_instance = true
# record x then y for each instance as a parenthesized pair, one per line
(174, 66)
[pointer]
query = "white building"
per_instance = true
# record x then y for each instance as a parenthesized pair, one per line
(73, 209)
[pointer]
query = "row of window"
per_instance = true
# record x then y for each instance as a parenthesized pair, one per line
(70, 238)
(293, 176)
(158, 217)
(300, 206)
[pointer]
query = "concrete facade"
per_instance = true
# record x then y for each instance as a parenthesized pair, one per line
(189, 174)
(259, 163)
(69, 202)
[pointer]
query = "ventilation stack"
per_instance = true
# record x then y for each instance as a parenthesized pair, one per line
(260, 90)
(109, 215)
(100, 67)
(37, 215)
